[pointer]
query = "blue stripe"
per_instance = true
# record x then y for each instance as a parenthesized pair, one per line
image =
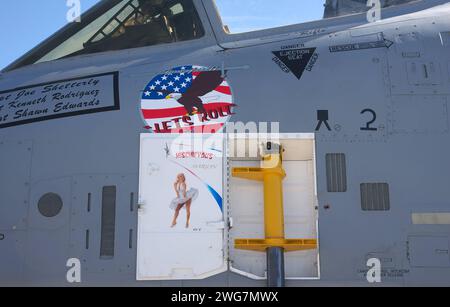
(216, 196)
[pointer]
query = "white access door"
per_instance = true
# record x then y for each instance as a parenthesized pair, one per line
(193, 248)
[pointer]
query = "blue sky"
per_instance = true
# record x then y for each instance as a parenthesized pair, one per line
(26, 23)
(245, 15)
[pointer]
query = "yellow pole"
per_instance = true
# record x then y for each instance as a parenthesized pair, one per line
(273, 208)
(271, 174)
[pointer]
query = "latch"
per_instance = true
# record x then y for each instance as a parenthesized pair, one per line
(216, 225)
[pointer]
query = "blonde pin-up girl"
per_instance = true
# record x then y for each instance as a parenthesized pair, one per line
(184, 199)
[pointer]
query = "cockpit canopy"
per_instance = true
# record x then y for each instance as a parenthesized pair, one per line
(121, 24)
(132, 24)
(140, 23)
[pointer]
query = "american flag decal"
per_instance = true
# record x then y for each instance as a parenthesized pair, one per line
(187, 99)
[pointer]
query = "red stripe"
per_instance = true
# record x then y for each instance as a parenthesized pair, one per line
(180, 111)
(224, 90)
(198, 129)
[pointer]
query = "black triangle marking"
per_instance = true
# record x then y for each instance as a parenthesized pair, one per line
(295, 59)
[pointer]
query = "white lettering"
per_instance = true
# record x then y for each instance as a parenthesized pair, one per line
(374, 274)
(74, 12)
(74, 273)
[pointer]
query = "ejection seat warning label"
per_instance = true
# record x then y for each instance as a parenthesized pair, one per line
(66, 98)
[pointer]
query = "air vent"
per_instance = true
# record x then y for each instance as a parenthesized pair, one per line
(89, 202)
(336, 172)
(375, 197)
(130, 239)
(131, 202)
(50, 205)
(108, 222)
(87, 238)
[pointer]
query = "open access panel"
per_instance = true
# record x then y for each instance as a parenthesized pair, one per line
(199, 242)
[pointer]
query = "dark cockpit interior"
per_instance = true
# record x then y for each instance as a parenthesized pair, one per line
(142, 23)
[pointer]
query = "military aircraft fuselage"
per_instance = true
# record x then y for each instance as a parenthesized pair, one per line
(374, 94)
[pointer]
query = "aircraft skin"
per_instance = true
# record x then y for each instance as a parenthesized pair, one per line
(409, 149)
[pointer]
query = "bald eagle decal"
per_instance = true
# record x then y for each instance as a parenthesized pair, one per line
(203, 83)
(187, 98)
